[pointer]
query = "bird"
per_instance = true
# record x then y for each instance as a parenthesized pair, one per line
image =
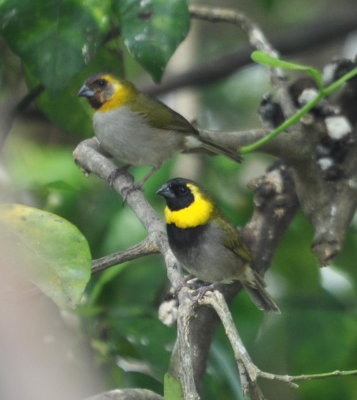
(137, 129)
(206, 243)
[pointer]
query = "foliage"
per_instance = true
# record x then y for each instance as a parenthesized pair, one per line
(49, 250)
(60, 43)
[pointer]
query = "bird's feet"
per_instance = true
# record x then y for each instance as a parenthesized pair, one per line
(199, 288)
(129, 189)
(201, 291)
(126, 190)
(183, 283)
(114, 175)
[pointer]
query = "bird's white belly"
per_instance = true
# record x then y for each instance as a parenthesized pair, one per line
(126, 136)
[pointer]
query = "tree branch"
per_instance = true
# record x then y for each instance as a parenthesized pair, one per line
(257, 39)
(289, 42)
(249, 372)
(144, 248)
(277, 215)
(126, 394)
(275, 206)
(323, 164)
(89, 157)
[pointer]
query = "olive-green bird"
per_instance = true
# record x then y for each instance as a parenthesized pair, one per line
(206, 243)
(137, 129)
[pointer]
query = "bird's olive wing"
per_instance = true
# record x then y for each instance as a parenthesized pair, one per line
(233, 240)
(160, 116)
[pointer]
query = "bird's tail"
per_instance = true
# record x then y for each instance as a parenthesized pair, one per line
(194, 143)
(217, 149)
(255, 286)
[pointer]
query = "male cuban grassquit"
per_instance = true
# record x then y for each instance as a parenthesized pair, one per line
(206, 243)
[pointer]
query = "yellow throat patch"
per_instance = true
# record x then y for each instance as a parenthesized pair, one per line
(123, 93)
(197, 213)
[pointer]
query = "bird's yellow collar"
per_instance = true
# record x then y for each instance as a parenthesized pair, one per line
(197, 213)
(122, 94)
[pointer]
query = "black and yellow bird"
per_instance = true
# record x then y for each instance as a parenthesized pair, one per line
(137, 129)
(206, 243)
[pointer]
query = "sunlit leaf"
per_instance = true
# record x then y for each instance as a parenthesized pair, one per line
(47, 250)
(54, 38)
(71, 113)
(264, 58)
(152, 30)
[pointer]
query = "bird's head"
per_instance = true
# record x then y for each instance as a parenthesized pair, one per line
(188, 204)
(105, 92)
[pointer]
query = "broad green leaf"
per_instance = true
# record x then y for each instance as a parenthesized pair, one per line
(54, 38)
(152, 30)
(150, 339)
(172, 388)
(47, 249)
(105, 277)
(263, 58)
(71, 113)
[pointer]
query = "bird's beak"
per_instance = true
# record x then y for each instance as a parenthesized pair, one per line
(166, 192)
(85, 91)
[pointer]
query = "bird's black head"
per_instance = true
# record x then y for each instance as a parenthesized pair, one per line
(188, 204)
(178, 193)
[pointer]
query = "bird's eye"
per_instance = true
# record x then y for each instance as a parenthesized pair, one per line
(182, 190)
(101, 82)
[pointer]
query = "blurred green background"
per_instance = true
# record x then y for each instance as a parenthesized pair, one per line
(317, 331)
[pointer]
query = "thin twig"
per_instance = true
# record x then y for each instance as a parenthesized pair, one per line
(144, 248)
(299, 378)
(249, 372)
(257, 39)
(125, 394)
(300, 113)
(289, 42)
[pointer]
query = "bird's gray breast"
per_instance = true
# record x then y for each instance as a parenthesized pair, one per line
(127, 137)
(208, 258)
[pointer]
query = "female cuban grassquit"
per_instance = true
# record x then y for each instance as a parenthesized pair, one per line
(137, 129)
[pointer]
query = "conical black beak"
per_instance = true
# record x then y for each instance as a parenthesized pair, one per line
(166, 192)
(85, 91)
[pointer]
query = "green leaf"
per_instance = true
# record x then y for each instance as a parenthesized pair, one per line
(264, 58)
(71, 113)
(47, 249)
(172, 388)
(105, 277)
(54, 38)
(149, 337)
(152, 30)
